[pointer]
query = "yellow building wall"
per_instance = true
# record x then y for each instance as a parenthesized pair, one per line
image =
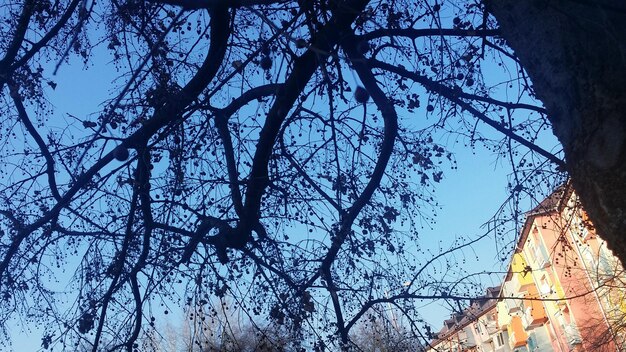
(519, 267)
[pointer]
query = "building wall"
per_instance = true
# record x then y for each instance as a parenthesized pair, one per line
(564, 290)
(477, 332)
(578, 321)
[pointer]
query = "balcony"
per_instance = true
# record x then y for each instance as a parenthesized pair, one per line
(517, 333)
(535, 314)
(511, 288)
(514, 304)
(541, 257)
(466, 338)
(467, 344)
(572, 335)
(534, 311)
(543, 263)
(492, 327)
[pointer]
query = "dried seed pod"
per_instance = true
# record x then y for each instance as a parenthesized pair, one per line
(361, 95)
(121, 153)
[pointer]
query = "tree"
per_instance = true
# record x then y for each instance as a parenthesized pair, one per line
(612, 331)
(574, 54)
(256, 148)
(218, 327)
(378, 335)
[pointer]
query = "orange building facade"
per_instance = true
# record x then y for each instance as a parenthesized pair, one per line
(564, 290)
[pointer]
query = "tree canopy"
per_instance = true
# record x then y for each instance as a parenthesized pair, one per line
(283, 153)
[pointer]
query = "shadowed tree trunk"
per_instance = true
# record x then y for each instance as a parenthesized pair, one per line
(575, 54)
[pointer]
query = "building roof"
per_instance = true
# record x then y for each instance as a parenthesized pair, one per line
(478, 307)
(554, 202)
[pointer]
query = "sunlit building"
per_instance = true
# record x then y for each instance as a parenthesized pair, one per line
(476, 329)
(564, 290)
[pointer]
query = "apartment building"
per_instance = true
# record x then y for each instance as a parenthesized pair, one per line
(476, 329)
(564, 290)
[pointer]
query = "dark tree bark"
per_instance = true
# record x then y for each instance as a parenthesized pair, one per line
(575, 54)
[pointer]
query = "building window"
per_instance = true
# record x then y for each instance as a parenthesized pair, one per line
(607, 268)
(532, 342)
(499, 340)
(544, 286)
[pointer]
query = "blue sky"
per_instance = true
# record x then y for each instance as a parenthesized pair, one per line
(468, 196)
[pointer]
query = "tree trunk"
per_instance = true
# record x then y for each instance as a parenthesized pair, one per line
(575, 54)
